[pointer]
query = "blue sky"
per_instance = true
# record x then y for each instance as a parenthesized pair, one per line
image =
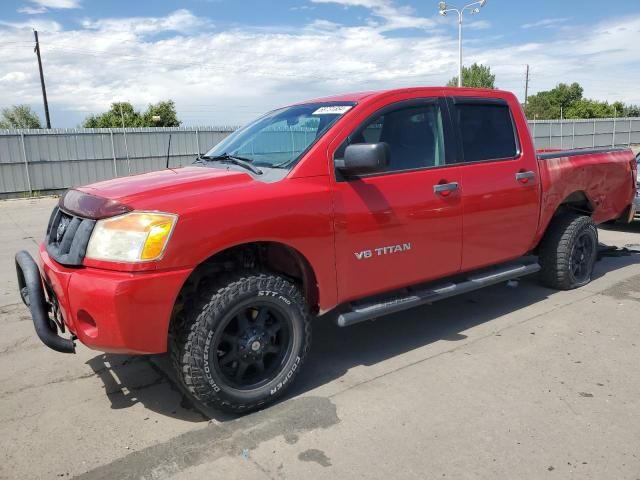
(225, 61)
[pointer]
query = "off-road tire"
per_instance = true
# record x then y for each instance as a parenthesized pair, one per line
(557, 248)
(208, 312)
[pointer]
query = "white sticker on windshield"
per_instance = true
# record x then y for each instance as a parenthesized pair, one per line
(333, 110)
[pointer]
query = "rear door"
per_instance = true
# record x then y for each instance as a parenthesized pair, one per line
(392, 228)
(499, 181)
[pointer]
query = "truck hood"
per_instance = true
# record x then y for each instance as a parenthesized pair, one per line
(136, 190)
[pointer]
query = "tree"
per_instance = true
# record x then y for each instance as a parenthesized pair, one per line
(568, 101)
(585, 108)
(550, 104)
(119, 113)
(476, 76)
(113, 118)
(631, 111)
(167, 113)
(19, 116)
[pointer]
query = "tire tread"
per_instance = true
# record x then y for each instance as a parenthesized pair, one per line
(188, 340)
(556, 246)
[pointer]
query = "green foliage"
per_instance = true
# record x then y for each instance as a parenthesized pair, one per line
(124, 111)
(585, 108)
(19, 116)
(167, 113)
(551, 103)
(475, 76)
(568, 100)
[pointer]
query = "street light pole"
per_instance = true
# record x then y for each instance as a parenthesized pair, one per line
(473, 8)
(459, 49)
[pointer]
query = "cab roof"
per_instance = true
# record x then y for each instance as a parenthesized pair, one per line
(370, 95)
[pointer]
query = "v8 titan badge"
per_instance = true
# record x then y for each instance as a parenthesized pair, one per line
(381, 251)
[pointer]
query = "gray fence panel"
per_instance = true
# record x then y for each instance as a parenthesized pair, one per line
(13, 178)
(60, 158)
(555, 134)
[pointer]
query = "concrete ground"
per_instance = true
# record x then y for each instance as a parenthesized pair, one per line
(510, 382)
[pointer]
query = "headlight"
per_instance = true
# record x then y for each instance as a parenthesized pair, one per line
(133, 237)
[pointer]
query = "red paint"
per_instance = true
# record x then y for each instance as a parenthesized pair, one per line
(493, 217)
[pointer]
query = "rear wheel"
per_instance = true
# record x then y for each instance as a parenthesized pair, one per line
(247, 343)
(569, 251)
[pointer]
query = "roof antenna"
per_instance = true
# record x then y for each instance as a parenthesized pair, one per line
(168, 150)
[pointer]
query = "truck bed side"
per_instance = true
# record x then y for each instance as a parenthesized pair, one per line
(604, 177)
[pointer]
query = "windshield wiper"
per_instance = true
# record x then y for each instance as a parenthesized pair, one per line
(228, 158)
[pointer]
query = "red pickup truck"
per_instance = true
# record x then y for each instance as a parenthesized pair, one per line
(385, 201)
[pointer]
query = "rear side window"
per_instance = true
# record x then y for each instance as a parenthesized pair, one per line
(487, 131)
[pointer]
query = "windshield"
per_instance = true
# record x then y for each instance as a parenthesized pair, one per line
(279, 138)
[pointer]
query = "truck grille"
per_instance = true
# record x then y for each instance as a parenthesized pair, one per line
(67, 237)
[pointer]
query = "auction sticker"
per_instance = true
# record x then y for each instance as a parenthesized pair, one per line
(333, 110)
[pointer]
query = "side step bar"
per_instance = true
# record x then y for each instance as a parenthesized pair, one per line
(415, 296)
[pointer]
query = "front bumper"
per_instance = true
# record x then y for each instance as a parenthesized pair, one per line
(117, 312)
(33, 295)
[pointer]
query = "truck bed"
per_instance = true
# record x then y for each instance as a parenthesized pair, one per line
(604, 176)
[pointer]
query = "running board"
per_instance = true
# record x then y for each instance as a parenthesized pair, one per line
(415, 296)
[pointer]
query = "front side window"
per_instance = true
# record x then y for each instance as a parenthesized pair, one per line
(486, 131)
(279, 138)
(414, 135)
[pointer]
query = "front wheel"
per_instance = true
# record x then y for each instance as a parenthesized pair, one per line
(246, 345)
(569, 251)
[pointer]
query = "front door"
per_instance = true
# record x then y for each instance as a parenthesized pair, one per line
(402, 226)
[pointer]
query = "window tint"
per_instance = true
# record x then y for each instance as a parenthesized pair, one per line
(414, 136)
(487, 132)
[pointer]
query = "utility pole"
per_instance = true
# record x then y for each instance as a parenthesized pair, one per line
(44, 90)
(526, 87)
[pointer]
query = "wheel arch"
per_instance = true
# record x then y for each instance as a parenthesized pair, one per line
(576, 202)
(273, 256)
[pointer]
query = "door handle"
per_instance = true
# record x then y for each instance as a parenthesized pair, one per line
(445, 189)
(525, 177)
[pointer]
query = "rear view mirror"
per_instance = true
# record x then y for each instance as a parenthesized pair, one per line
(363, 158)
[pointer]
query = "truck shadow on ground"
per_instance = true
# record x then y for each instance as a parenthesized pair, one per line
(150, 381)
(633, 227)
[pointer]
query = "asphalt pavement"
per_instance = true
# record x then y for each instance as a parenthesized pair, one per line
(510, 382)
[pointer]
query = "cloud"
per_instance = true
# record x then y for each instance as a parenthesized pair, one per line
(393, 16)
(179, 21)
(545, 23)
(36, 24)
(57, 3)
(32, 10)
(43, 6)
(228, 76)
(479, 25)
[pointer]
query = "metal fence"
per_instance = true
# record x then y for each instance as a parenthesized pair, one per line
(567, 134)
(46, 160)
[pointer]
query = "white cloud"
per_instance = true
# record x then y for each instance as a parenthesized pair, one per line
(57, 3)
(393, 16)
(32, 10)
(545, 23)
(228, 76)
(179, 21)
(43, 6)
(479, 25)
(36, 24)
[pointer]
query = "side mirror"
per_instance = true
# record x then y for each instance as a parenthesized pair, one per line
(363, 158)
